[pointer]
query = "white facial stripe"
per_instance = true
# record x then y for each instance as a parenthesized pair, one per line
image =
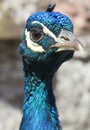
(36, 47)
(33, 46)
(47, 31)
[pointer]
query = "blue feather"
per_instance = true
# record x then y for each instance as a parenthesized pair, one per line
(55, 21)
(39, 105)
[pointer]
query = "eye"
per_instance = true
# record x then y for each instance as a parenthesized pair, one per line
(35, 35)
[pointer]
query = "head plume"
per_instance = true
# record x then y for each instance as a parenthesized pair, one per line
(50, 8)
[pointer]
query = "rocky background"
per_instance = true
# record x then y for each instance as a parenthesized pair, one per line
(72, 81)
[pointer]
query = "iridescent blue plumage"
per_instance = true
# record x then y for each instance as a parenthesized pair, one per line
(53, 20)
(41, 59)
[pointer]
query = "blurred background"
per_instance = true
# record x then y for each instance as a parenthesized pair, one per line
(72, 81)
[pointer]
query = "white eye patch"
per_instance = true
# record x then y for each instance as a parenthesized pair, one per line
(48, 32)
(32, 45)
(36, 47)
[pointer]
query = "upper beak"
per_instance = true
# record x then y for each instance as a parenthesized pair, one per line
(67, 41)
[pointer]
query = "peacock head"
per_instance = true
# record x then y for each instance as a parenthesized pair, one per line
(48, 39)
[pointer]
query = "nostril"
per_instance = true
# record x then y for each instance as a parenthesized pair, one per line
(65, 39)
(66, 36)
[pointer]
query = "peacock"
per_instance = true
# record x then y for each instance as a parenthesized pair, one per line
(47, 42)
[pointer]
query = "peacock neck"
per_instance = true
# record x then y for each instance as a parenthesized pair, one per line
(39, 103)
(37, 93)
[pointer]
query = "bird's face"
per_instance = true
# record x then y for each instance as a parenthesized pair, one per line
(48, 39)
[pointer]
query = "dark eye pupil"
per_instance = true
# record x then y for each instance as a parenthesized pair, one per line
(36, 36)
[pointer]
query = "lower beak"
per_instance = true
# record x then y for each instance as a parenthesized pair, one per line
(67, 41)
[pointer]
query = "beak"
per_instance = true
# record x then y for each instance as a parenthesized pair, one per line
(67, 41)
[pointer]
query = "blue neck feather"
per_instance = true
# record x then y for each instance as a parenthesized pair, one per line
(39, 109)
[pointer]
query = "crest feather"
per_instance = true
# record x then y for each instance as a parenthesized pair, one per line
(50, 8)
